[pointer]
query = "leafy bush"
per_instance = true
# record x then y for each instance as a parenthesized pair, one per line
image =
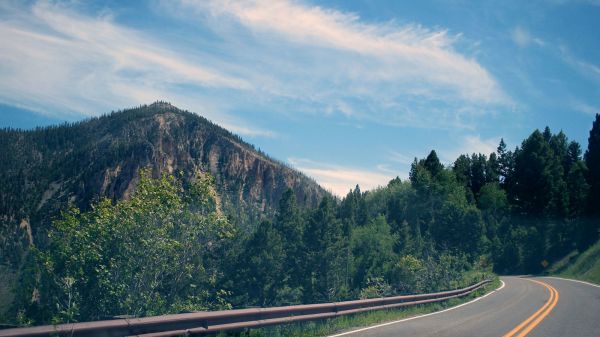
(149, 255)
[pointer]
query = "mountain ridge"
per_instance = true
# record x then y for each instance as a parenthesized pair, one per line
(47, 169)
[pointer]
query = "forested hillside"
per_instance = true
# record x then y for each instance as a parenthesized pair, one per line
(46, 170)
(512, 211)
(509, 211)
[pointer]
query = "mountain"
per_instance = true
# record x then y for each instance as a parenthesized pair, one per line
(43, 171)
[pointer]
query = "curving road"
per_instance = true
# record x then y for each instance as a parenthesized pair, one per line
(532, 307)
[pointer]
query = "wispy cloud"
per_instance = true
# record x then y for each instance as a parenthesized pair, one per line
(250, 131)
(400, 158)
(54, 59)
(405, 75)
(586, 108)
(523, 37)
(583, 67)
(338, 179)
(472, 144)
(475, 144)
(279, 57)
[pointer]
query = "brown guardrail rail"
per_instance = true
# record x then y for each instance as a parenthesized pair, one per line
(225, 320)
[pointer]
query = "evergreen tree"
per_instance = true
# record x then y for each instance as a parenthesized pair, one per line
(559, 144)
(290, 226)
(578, 189)
(353, 210)
(591, 226)
(580, 231)
(421, 212)
(325, 269)
(492, 169)
(592, 160)
(505, 164)
(479, 168)
(547, 135)
(262, 272)
(433, 164)
(573, 154)
(462, 170)
(539, 187)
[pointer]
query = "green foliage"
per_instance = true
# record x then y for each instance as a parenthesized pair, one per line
(372, 248)
(432, 164)
(581, 265)
(262, 266)
(592, 160)
(45, 171)
(539, 186)
(375, 287)
(290, 227)
(326, 258)
(578, 189)
(143, 256)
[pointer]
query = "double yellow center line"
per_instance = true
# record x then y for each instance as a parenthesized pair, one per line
(526, 326)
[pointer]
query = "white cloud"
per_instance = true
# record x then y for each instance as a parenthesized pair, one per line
(331, 61)
(339, 180)
(55, 59)
(400, 158)
(586, 108)
(585, 68)
(523, 37)
(412, 51)
(247, 131)
(472, 144)
(281, 57)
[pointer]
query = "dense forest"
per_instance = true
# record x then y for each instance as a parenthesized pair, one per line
(169, 248)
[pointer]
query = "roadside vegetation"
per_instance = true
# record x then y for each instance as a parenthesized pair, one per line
(351, 322)
(584, 266)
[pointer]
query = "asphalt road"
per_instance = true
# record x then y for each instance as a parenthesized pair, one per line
(532, 307)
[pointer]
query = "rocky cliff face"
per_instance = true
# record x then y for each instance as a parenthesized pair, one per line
(44, 171)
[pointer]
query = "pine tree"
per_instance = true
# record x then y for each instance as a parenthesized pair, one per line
(505, 164)
(478, 172)
(591, 226)
(492, 169)
(462, 170)
(592, 160)
(290, 225)
(262, 267)
(325, 261)
(559, 144)
(547, 134)
(432, 163)
(539, 185)
(573, 154)
(578, 189)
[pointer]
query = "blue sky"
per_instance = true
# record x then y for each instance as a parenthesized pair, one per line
(346, 91)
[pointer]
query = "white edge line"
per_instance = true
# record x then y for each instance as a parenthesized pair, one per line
(572, 280)
(415, 317)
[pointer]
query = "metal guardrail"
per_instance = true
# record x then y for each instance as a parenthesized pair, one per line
(227, 320)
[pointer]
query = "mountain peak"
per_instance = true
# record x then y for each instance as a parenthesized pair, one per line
(163, 105)
(74, 164)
